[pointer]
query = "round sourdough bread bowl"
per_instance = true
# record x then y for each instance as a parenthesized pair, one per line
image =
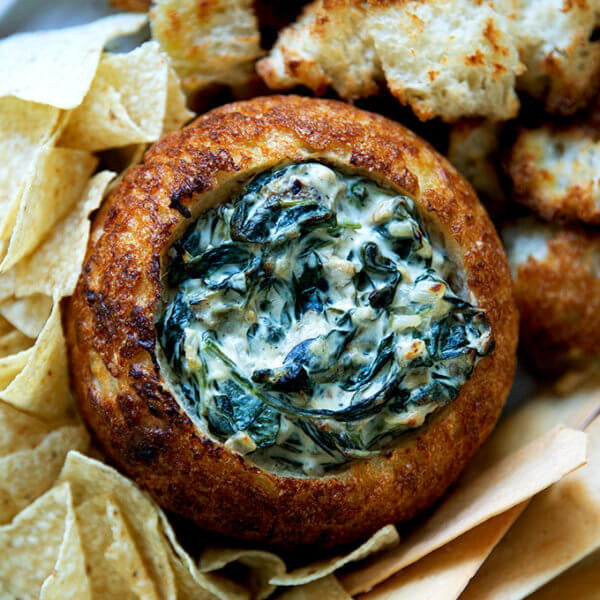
(116, 369)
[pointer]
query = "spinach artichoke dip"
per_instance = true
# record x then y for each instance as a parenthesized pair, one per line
(311, 320)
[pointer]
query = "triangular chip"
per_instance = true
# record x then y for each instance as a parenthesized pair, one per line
(53, 269)
(90, 479)
(28, 473)
(27, 314)
(42, 387)
(57, 67)
(30, 545)
(68, 578)
(59, 181)
(131, 98)
(25, 128)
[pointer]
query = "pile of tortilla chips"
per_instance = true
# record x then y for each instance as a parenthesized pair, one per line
(524, 519)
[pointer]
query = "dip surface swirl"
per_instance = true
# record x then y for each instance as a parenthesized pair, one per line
(311, 321)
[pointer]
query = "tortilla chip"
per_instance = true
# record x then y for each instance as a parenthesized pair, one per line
(450, 568)
(128, 102)
(57, 67)
(13, 343)
(12, 365)
(123, 555)
(25, 127)
(262, 566)
(68, 578)
(28, 473)
(20, 431)
(96, 537)
(327, 588)
(42, 387)
(559, 528)
(27, 314)
(91, 480)
(267, 570)
(53, 269)
(59, 180)
(382, 540)
(191, 583)
(495, 490)
(29, 546)
(581, 581)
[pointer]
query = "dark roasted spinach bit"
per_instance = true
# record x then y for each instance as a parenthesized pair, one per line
(236, 410)
(278, 217)
(310, 286)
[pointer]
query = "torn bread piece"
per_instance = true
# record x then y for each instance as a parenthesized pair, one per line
(554, 38)
(557, 288)
(351, 46)
(208, 42)
(474, 149)
(555, 172)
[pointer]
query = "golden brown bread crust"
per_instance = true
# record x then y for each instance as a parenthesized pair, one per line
(554, 171)
(559, 301)
(112, 337)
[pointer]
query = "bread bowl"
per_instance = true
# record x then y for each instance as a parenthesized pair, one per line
(131, 393)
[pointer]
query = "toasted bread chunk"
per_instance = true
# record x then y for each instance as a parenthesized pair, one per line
(446, 58)
(553, 37)
(557, 288)
(474, 150)
(328, 45)
(208, 42)
(555, 172)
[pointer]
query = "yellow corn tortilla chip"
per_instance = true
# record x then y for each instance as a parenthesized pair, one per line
(327, 588)
(20, 431)
(169, 566)
(89, 480)
(123, 555)
(59, 181)
(42, 387)
(28, 314)
(11, 366)
(25, 128)
(27, 474)
(445, 572)
(191, 583)
(29, 546)
(96, 537)
(68, 578)
(13, 343)
(131, 99)
(262, 567)
(559, 528)
(57, 67)
(385, 538)
(267, 570)
(581, 581)
(503, 485)
(53, 269)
